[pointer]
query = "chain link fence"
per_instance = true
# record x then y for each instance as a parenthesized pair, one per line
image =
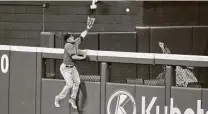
(89, 71)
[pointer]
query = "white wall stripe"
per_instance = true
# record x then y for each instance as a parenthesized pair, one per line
(4, 47)
(181, 57)
(126, 54)
(23, 48)
(40, 49)
(52, 50)
(92, 52)
(110, 53)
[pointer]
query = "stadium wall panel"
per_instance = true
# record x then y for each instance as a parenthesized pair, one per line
(89, 98)
(112, 89)
(51, 88)
(22, 83)
(148, 93)
(4, 83)
(184, 98)
(204, 99)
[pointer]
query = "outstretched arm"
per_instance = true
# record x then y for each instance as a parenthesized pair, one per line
(84, 33)
(82, 36)
(90, 23)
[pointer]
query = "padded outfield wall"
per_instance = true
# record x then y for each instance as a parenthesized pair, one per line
(23, 90)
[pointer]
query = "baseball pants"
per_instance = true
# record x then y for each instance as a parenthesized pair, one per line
(72, 79)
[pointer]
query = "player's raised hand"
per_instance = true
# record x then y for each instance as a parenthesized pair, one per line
(90, 22)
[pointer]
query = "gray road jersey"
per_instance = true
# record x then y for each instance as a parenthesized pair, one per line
(69, 50)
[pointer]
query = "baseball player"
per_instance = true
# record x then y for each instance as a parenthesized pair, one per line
(68, 69)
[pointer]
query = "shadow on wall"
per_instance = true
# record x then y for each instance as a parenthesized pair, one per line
(81, 97)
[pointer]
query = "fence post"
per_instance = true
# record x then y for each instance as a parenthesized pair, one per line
(104, 79)
(170, 75)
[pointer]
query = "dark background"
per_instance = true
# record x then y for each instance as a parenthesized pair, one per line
(22, 22)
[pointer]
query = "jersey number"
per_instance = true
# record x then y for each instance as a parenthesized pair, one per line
(4, 63)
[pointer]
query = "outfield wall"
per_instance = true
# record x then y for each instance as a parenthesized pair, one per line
(23, 90)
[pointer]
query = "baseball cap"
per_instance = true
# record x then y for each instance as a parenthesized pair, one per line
(67, 35)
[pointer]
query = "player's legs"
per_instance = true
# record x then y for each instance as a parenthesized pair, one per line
(67, 74)
(76, 82)
(68, 86)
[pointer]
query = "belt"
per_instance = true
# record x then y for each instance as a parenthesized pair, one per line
(70, 66)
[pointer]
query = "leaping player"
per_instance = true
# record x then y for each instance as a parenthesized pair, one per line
(68, 69)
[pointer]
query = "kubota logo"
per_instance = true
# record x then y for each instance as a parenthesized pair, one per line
(121, 102)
